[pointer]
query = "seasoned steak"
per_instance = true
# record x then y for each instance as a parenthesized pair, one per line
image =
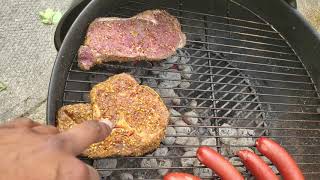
(70, 115)
(139, 115)
(151, 35)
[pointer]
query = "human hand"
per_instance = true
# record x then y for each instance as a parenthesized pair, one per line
(31, 151)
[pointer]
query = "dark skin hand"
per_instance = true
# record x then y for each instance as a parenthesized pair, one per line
(31, 151)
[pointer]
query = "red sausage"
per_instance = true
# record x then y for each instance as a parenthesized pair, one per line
(180, 176)
(280, 158)
(256, 165)
(213, 160)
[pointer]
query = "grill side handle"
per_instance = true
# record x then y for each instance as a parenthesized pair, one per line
(66, 21)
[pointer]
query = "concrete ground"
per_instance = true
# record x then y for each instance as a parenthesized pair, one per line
(311, 11)
(27, 54)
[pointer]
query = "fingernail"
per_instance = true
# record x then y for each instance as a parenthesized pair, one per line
(108, 123)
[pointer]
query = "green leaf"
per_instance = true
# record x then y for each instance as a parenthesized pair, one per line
(49, 16)
(2, 86)
(56, 17)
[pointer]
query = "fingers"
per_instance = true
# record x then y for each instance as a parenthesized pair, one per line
(28, 123)
(70, 168)
(93, 173)
(45, 129)
(20, 123)
(77, 139)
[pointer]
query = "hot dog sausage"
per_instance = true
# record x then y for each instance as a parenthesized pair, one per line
(180, 176)
(259, 169)
(218, 164)
(280, 158)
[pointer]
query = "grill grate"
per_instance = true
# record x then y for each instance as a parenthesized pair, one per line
(237, 77)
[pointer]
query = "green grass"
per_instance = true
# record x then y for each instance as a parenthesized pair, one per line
(2, 86)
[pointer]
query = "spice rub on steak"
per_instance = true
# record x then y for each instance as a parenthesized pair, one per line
(150, 35)
(139, 115)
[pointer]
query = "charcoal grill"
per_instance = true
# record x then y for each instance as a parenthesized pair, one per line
(249, 69)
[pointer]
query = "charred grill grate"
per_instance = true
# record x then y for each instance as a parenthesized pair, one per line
(237, 79)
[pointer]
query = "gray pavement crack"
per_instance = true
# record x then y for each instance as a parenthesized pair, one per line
(33, 109)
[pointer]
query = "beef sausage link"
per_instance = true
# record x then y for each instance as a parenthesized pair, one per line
(180, 176)
(213, 160)
(280, 158)
(259, 169)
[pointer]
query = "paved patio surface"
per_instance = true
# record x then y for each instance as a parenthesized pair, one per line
(27, 54)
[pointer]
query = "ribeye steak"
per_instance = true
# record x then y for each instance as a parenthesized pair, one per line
(151, 35)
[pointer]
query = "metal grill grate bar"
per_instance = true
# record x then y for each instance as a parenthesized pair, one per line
(222, 127)
(248, 110)
(205, 14)
(199, 81)
(246, 55)
(212, 108)
(219, 30)
(229, 25)
(234, 32)
(241, 137)
(233, 61)
(209, 74)
(241, 62)
(239, 47)
(177, 167)
(217, 100)
(231, 92)
(177, 157)
(239, 40)
(209, 22)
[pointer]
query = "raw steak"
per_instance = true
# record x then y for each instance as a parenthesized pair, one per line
(151, 35)
(139, 115)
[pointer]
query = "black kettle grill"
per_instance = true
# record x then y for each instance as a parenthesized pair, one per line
(255, 72)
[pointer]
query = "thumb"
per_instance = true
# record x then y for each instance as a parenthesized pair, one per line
(78, 138)
(93, 174)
